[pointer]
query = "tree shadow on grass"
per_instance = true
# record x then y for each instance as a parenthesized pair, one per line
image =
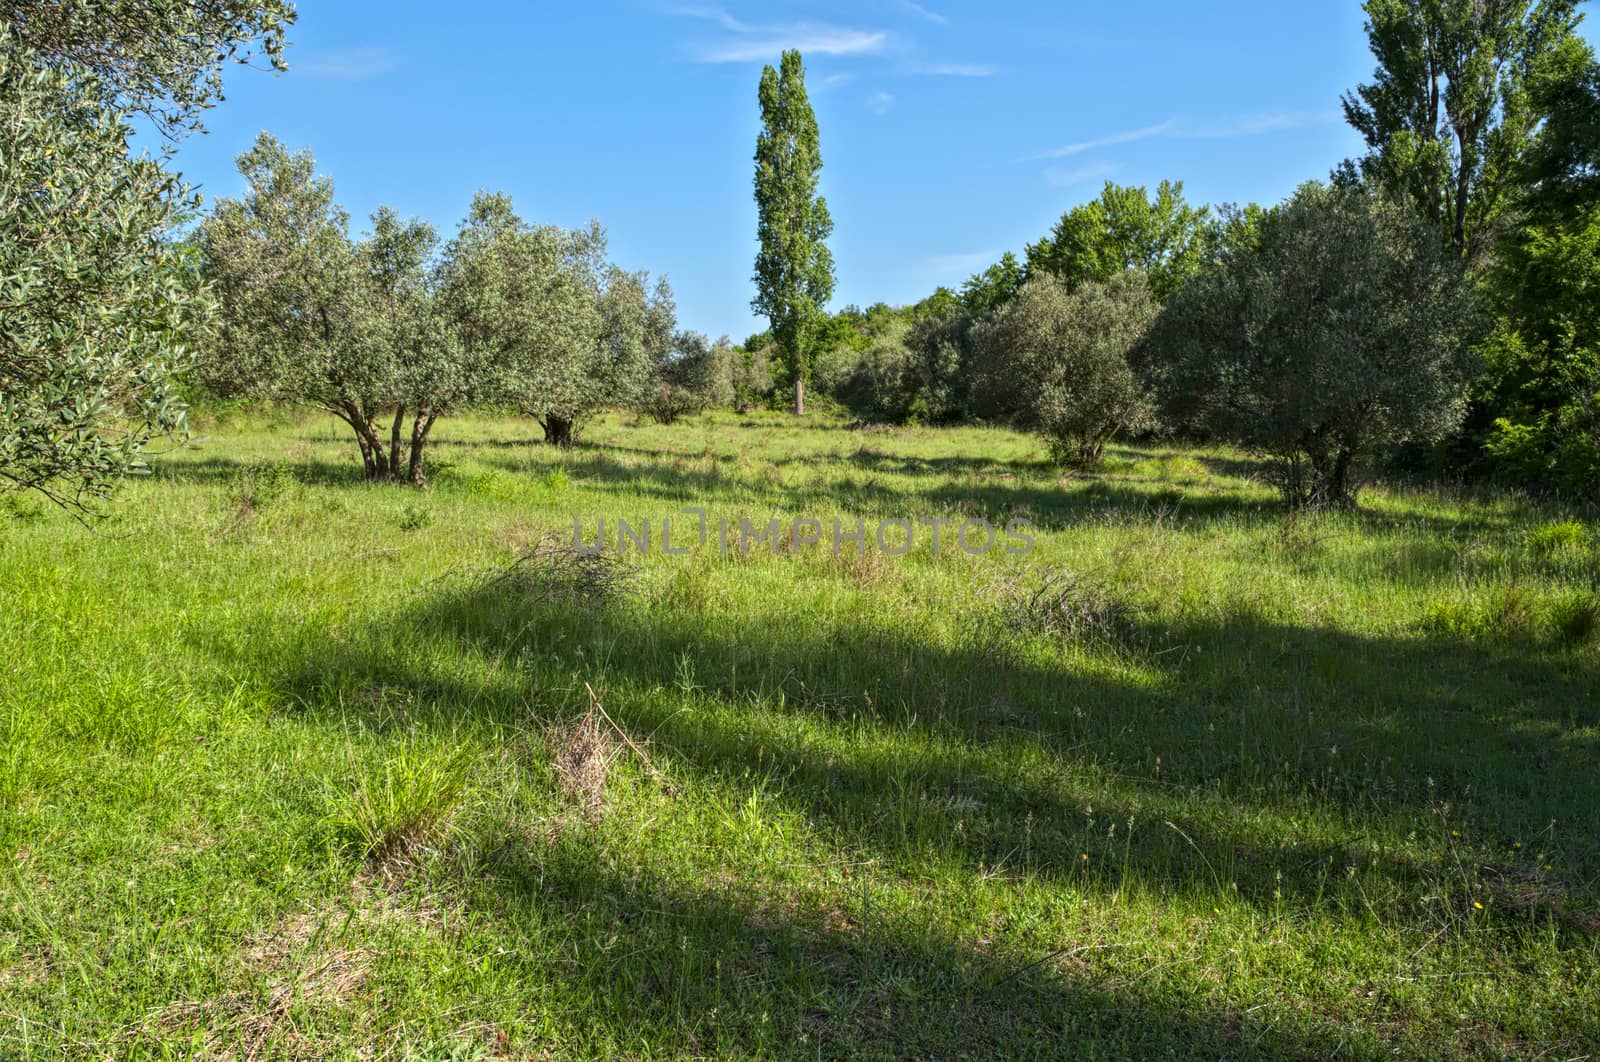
(1051, 508)
(211, 471)
(1224, 739)
(717, 968)
(927, 758)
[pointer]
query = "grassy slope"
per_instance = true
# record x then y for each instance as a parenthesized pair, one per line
(1332, 786)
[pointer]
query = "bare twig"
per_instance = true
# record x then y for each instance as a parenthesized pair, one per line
(655, 772)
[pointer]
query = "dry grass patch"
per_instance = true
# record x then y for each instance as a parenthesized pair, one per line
(584, 753)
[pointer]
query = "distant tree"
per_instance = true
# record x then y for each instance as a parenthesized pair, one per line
(943, 303)
(1164, 237)
(1058, 360)
(794, 268)
(98, 312)
(937, 376)
(751, 375)
(1560, 172)
(309, 316)
(695, 375)
(432, 371)
(522, 299)
(987, 291)
(564, 332)
(637, 320)
(1448, 116)
(1347, 327)
(159, 58)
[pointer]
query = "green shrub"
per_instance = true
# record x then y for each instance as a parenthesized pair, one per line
(496, 485)
(1057, 359)
(1576, 618)
(1514, 615)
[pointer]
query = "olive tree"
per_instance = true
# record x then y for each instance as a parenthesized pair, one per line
(562, 331)
(97, 310)
(1059, 359)
(311, 316)
(1344, 326)
(162, 59)
(98, 313)
(696, 374)
(615, 366)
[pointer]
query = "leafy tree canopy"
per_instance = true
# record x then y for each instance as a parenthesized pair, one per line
(160, 58)
(1448, 116)
(1345, 327)
(1125, 228)
(98, 312)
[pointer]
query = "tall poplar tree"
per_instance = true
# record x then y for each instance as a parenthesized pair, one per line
(1448, 115)
(794, 268)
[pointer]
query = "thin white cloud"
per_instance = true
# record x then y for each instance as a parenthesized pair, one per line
(952, 70)
(712, 14)
(1188, 129)
(1259, 124)
(1069, 178)
(350, 64)
(1127, 136)
(833, 81)
(809, 39)
(963, 265)
(744, 42)
(919, 10)
(880, 102)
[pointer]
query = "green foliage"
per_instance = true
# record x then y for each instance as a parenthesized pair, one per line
(160, 58)
(697, 374)
(258, 484)
(1125, 229)
(1562, 536)
(561, 331)
(1542, 384)
(416, 517)
(1514, 614)
(794, 268)
(1344, 330)
(913, 368)
(1447, 117)
(1056, 360)
(309, 316)
(876, 386)
(986, 292)
(98, 313)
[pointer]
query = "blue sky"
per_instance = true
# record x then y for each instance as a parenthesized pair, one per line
(951, 131)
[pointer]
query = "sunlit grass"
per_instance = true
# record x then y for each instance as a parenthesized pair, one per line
(1316, 784)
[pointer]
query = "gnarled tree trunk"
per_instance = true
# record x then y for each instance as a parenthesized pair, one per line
(558, 431)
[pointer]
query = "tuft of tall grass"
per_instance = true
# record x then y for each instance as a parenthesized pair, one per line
(1557, 538)
(397, 808)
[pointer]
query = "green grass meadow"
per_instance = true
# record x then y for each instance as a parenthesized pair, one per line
(292, 766)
